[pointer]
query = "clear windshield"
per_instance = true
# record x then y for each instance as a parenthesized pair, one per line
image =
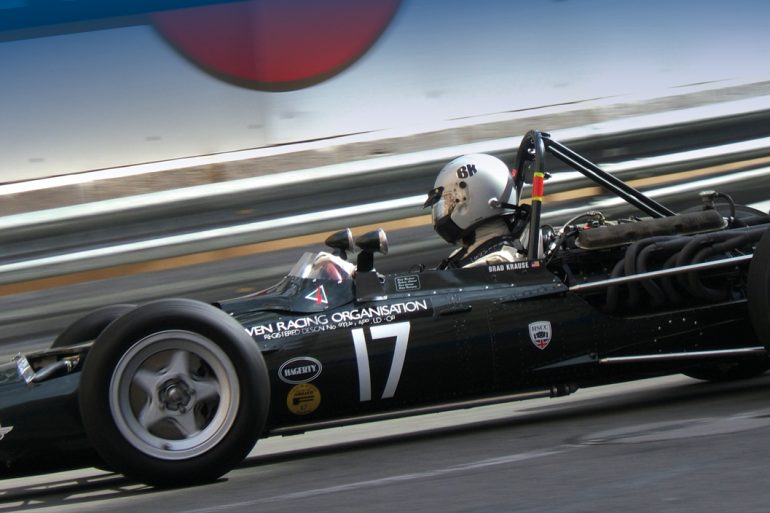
(322, 265)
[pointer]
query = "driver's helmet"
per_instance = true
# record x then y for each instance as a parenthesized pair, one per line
(469, 190)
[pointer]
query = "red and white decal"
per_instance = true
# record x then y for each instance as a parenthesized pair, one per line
(318, 296)
(540, 333)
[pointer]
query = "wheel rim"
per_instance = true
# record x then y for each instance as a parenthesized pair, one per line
(174, 395)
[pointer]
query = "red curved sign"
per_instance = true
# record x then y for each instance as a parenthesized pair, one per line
(276, 44)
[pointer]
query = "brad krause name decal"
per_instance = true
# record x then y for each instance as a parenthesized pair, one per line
(514, 266)
(344, 319)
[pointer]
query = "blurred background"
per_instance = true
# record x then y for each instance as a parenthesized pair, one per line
(197, 148)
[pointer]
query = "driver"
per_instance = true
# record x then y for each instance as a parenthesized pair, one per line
(472, 208)
(332, 267)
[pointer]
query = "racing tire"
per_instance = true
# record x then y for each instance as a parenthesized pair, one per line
(89, 326)
(174, 393)
(758, 290)
(732, 371)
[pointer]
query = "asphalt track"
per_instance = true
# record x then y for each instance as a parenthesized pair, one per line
(665, 445)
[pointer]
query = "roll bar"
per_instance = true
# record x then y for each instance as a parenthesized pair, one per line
(530, 167)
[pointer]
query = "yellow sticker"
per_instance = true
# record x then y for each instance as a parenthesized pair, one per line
(303, 399)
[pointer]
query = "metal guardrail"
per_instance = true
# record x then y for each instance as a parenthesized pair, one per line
(201, 218)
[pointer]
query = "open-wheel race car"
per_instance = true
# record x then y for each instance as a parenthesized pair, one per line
(177, 391)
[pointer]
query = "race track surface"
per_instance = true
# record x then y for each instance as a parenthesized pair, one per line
(666, 445)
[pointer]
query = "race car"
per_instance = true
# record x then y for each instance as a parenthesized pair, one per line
(177, 392)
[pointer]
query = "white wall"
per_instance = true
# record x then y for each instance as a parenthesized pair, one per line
(106, 98)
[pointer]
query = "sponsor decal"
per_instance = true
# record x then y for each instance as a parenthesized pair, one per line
(540, 333)
(300, 370)
(4, 431)
(514, 266)
(353, 318)
(303, 399)
(318, 296)
(410, 282)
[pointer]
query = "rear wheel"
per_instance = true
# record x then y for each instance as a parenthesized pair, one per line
(758, 289)
(729, 371)
(174, 392)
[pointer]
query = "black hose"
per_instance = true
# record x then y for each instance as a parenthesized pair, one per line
(667, 282)
(684, 250)
(687, 254)
(658, 293)
(733, 221)
(613, 291)
(629, 267)
(695, 284)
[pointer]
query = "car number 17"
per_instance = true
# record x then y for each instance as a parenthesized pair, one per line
(400, 331)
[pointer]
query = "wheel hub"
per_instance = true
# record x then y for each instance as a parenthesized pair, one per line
(176, 396)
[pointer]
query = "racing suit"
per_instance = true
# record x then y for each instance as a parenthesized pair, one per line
(493, 244)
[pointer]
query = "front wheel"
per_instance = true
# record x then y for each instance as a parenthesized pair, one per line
(174, 392)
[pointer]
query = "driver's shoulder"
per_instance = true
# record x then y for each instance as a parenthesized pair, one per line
(502, 255)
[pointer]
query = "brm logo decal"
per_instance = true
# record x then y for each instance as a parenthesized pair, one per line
(540, 333)
(318, 296)
(302, 369)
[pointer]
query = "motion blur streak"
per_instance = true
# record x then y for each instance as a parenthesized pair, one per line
(685, 182)
(197, 258)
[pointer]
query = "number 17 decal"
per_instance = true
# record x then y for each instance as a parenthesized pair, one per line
(400, 331)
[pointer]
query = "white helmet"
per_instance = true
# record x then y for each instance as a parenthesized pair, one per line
(469, 190)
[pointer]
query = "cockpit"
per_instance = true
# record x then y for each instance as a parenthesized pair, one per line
(322, 266)
(317, 282)
(320, 281)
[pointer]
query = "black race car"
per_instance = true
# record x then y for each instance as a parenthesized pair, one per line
(177, 391)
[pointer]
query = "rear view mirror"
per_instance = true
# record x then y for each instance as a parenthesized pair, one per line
(341, 241)
(374, 242)
(370, 243)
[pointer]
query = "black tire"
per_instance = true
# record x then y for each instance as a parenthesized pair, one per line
(758, 289)
(89, 326)
(173, 393)
(729, 371)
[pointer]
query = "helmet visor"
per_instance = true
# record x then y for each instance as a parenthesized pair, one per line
(447, 229)
(442, 219)
(434, 195)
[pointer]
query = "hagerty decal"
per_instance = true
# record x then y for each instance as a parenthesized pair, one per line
(353, 318)
(300, 370)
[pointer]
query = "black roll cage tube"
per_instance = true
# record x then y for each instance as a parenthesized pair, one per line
(533, 148)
